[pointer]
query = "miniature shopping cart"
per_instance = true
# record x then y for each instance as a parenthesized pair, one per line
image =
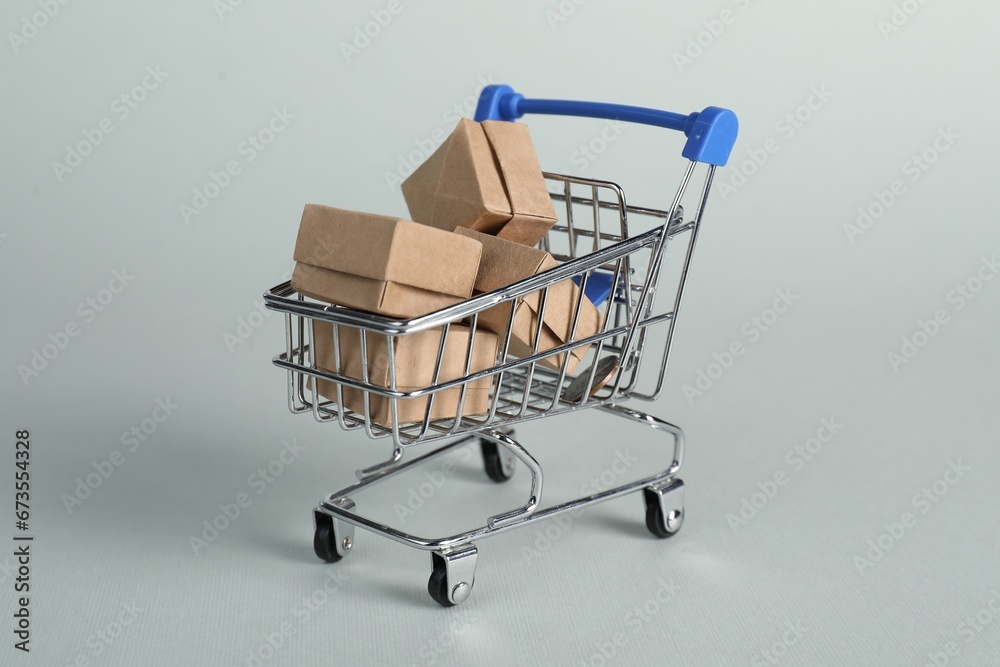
(618, 272)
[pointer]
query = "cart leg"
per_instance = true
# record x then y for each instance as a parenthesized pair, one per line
(676, 432)
(664, 507)
(509, 444)
(333, 538)
(499, 464)
(664, 497)
(454, 573)
(388, 464)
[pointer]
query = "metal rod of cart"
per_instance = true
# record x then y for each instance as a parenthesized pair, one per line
(592, 240)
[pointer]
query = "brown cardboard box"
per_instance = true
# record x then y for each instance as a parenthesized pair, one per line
(382, 264)
(485, 177)
(504, 263)
(415, 356)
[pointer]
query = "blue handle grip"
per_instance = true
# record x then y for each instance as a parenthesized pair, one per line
(711, 133)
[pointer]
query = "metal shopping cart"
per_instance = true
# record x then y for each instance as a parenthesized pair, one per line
(620, 273)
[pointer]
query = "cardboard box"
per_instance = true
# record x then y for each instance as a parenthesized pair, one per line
(485, 177)
(385, 265)
(504, 263)
(415, 356)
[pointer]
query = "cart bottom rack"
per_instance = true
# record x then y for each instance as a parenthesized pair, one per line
(453, 558)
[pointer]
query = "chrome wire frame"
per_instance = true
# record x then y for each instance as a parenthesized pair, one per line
(521, 389)
(335, 505)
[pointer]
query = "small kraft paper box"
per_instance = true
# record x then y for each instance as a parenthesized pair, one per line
(485, 177)
(504, 263)
(382, 264)
(415, 356)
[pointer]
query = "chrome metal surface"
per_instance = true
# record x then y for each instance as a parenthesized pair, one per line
(460, 593)
(517, 517)
(591, 236)
(397, 455)
(508, 465)
(460, 569)
(695, 226)
(671, 495)
(343, 531)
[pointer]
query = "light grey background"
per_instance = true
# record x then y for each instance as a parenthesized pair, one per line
(728, 592)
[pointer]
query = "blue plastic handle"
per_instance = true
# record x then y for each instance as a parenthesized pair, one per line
(711, 133)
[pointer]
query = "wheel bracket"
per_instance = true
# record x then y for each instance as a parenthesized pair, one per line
(670, 496)
(342, 536)
(460, 570)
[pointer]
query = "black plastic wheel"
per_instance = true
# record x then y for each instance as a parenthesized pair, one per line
(437, 585)
(324, 541)
(655, 521)
(493, 462)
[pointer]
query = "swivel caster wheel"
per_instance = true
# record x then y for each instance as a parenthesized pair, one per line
(499, 463)
(453, 575)
(664, 508)
(333, 539)
(437, 586)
